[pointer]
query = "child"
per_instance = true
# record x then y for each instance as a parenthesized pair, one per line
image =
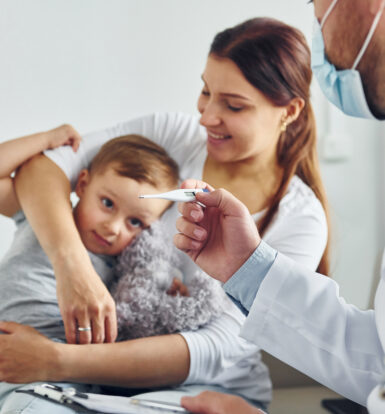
(108, 216)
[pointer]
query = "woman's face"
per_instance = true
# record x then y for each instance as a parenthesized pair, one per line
(241, 123)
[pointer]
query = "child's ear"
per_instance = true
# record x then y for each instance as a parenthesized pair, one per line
(83, 181)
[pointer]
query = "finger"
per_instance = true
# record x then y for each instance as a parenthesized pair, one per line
(97, 325)
(172, 289)
(184, 290)
(70, 327)
(192, 183)
(77, 139)
(9, 327)
(111, 327)
(84, 330)
(75, 143)
(203, 403)
(186, 244)
(192, 404)
(192, 211)
(191, 230)
(224, 201)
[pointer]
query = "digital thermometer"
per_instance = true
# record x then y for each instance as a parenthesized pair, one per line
(182, 194)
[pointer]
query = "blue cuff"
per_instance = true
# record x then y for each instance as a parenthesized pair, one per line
(243, 286)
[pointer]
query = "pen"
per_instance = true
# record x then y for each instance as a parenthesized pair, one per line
(182, 194)
(159, 404)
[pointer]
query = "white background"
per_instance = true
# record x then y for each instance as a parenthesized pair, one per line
(95, 62)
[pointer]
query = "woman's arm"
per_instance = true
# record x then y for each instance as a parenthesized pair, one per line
(15, 152)
(28, 356)
(43, 192)
(215, 355)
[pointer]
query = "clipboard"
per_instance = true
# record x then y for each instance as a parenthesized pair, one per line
(100, 403)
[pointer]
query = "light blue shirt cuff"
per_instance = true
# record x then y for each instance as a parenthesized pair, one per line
(243, 286)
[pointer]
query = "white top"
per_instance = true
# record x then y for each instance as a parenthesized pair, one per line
(217, 354)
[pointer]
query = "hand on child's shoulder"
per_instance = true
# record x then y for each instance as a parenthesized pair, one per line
(63, 135)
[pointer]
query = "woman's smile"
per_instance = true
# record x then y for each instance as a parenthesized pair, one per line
(217, 136)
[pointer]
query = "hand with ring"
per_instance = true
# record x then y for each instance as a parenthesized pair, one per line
(84, 329)
(87, 307)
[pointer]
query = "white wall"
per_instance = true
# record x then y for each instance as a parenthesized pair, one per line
(95, 62)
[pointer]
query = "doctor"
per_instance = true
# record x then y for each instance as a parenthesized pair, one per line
(293, 314)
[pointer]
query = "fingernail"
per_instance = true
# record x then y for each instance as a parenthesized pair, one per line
(195, 244)
(195, 214)
(199, 233)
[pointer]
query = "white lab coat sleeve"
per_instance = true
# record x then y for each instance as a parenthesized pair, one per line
(299, 317)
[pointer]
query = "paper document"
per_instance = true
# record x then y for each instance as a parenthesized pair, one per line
(109, 404)
(125, 405)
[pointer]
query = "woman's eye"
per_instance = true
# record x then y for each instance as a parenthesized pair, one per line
(107, 202)
(235, 108)
(135, 222)
(205, 93)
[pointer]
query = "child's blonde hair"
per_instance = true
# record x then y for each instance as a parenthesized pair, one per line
(136, 157)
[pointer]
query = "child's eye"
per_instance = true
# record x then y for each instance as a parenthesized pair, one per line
(107, 202)
(135, 222)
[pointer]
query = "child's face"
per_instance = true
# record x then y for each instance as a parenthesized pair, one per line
(109, 214)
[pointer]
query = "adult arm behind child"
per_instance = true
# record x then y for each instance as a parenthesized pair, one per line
(28, 356)
(69, 258)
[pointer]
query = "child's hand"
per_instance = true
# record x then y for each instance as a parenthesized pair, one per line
(63, 135)
(178, 288)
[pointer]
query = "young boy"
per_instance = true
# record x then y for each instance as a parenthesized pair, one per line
(108, 216)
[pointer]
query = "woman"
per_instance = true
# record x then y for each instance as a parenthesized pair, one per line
(256, 138)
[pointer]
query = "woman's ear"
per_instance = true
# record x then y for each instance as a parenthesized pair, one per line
(83, 181)
(294, 109)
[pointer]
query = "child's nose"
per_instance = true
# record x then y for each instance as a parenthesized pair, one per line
(113, 226)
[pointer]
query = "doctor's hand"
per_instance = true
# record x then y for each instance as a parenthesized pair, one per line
(87, 307)
(220, 237)
(210, 402)
(26, 355)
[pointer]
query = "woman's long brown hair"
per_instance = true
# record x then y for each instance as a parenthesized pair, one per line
(275, 58)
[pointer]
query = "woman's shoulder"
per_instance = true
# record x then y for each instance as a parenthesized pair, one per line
(162, 120)
(300, 198)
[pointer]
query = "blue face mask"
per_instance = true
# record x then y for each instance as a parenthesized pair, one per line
(342, 87)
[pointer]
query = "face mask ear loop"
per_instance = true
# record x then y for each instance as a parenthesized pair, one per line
(369, 36)
(328, 11)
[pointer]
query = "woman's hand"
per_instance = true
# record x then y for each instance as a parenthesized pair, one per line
(221, 236)
(84, 301)
(210, 402)
(26, 355)
(63, 135)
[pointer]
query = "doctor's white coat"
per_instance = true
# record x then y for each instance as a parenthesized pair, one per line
(298, 317)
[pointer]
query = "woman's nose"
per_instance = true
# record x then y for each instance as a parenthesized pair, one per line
(209, 115)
